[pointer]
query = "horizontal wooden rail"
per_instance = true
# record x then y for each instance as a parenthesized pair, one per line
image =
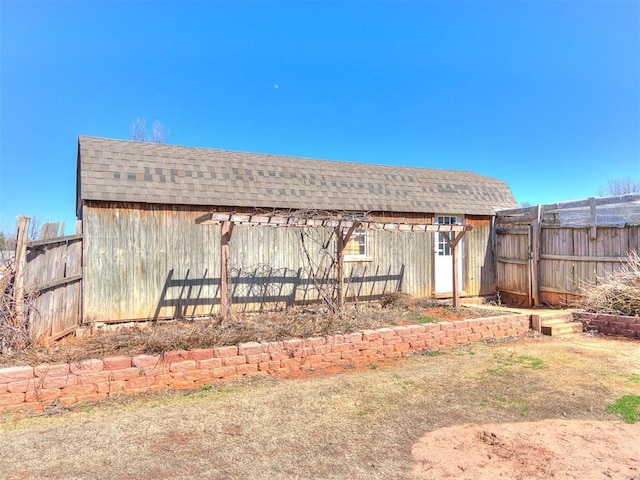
(57, 283)
(49, 241)
(583, 258)
(517, 261)
(558, 290)
(513, 292)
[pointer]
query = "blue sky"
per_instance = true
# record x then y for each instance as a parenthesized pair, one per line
(542, 94)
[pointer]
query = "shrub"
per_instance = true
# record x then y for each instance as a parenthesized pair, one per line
(616, 293)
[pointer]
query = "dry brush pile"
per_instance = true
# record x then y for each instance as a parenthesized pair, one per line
(616, 293)
(14, 334)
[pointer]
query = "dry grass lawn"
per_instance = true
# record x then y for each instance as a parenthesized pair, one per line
(357, 424)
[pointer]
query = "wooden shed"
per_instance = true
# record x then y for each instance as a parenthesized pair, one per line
(146, 256)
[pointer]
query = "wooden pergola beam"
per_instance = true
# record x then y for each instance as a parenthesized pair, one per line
(293, 221)
(228, 220)
(453, 243)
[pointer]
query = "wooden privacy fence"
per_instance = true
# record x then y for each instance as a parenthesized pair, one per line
(546, 253)
(48, 280)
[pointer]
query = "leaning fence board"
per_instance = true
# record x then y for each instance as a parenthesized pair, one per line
(52, 274)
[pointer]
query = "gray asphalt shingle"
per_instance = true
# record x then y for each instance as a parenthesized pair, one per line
(168, 174)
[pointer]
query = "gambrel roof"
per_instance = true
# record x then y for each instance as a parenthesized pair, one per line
(125, 171)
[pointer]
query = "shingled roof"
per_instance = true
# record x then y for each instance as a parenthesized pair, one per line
(124, 171)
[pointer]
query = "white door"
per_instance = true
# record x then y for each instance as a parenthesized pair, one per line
(443, 257)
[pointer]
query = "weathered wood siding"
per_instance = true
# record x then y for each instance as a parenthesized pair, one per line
(152, 261)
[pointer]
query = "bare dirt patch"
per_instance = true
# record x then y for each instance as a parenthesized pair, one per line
(359, 424)
(559, 449)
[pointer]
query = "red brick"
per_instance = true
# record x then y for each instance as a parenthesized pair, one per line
(410, 337)
(56, 370)
(393, 355)
(431, 327)
(221, 352)
(385, 349)
(65, 401)
(315, 341)
(475, 337)
(247, 369)
(386, 332)
(42, 395)
(126, 373)
(233, 361)
(78, 390)
(176, 356)
(341, 347)
(117, 363)
(447, 341)
(278, 355)
(183, 384)
(87, 366)
(15, 374)
(59, 382)
(23, 386)
(331, 357)
(209, 363)
(269, 366)
(145, 361)
(402, 347)
(223, 372)
(370, 334)
(164, 378)
(290, 362)
(139, 382)
(320, 349)
(11, 399)
(361, 345)
(249, 348)
(464, 331)
(392, 340)
(446, 326)
(333, 339)
(201, 353)
(353, 337)
(111, 388)
(159, 369)
(350, 355)
(258, 358)
(403, 330)
(479, 329)
(293, 344)
(311, 359)
(94, 377)
(418, 344)
(183, 366)
(195, 375)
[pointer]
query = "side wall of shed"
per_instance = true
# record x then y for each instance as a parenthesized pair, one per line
(153, 261)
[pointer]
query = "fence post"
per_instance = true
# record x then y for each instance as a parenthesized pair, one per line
(22, 237)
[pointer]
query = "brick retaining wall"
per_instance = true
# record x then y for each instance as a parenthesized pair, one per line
(35, 388)
(610, 324)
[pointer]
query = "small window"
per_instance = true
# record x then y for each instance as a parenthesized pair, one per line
(443, 248)
(357, 246)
